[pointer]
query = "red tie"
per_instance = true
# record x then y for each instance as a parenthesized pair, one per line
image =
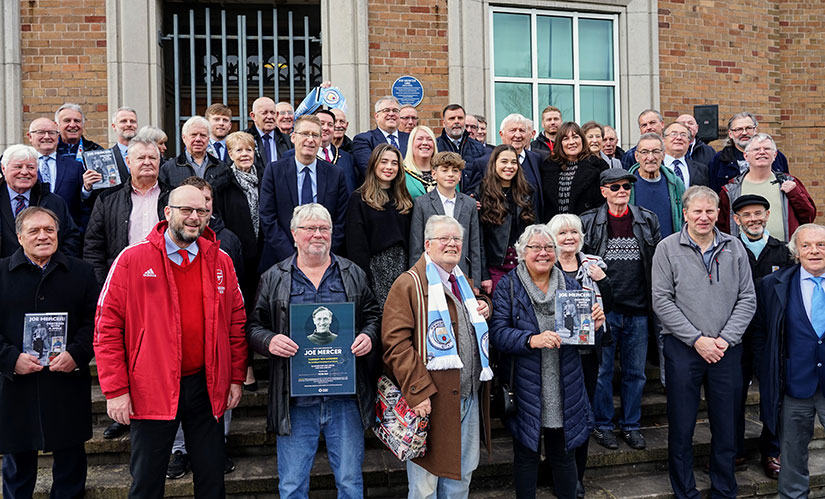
(185, 256)
(454, 284)
(326, 156)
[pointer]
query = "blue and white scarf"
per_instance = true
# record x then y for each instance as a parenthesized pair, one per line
(442, 351)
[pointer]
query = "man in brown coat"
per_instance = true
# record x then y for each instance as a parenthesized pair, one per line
(456, 399)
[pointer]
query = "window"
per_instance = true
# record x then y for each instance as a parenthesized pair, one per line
(565, 59)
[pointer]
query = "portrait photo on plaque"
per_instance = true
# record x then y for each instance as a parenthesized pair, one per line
(574, 320)
(324, 364)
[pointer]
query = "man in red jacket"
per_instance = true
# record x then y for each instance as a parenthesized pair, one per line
(170, 345)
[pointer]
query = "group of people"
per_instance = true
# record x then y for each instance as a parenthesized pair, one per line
(452, 251)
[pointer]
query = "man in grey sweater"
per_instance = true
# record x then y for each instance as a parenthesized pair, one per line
(704, 297)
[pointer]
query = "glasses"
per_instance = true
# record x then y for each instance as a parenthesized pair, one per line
(538, 248)
(408, 118)
(187, 210)
(471, 127)
(321, 229)
(309, 135)
(448, 239)
(390, 110)
(675, 134)
(739, 130)
(615, 187)
(646, 152)
(285, 113)
(50, 133)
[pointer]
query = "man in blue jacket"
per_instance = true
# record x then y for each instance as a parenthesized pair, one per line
(788, 353)
(387, 111)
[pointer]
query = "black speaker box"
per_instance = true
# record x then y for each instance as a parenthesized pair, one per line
(707, 117)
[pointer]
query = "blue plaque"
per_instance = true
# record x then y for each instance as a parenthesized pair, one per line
(324, 364)
(408, 90)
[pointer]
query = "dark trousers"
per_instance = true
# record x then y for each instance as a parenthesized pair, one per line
(686, 373)
(768, 442)
(68, 473)
(562, 464)
(152, 445)
(590, 370)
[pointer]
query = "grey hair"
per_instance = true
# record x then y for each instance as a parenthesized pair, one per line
(792, 243)
(73, 107)
(152, 133)
(697, 192)
(480, 118)
(196, 120)
(321, 309)
(437, 220)
(123, 108)
(515, 118)
(146, 141)
(566, 221)
(19, 151)
(743, 114)
(654, 111)
(529, 232)
(30, 212)
(761, 137)
(386, 98)
(309, 211)
(651, 136)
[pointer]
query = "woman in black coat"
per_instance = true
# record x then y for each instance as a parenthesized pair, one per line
(378, 221)
(45, 409)
(570, 176)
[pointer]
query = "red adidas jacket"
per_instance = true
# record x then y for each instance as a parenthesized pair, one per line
(138, 332)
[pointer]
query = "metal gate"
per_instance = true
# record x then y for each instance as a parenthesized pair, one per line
(236, 55)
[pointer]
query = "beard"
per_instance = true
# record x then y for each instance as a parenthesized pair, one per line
(180, 235)
(754, 232)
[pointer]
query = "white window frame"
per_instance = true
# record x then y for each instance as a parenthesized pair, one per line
(535, 81)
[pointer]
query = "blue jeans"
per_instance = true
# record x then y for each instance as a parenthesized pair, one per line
(340, 422)
(423, 484)
(630, 336)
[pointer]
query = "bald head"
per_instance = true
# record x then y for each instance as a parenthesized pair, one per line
(43, 135)
(264, 114)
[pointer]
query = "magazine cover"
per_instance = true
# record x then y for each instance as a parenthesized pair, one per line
(103, 162)
(574, 322)
(44, 335)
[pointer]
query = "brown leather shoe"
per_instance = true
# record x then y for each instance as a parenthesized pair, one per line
(771, 465)
(741, 464)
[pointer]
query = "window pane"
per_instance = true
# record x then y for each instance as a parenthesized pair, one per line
(595, 49)
(511, 45)
(511, 98)
(597, 104)
(560, 96)
(555, 46)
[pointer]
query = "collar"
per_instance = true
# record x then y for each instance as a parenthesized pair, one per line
(150, 191)
(172, 248)
(670, 159)
(13, 194)
(312, 166)
(294, 262)
(52, 156)
(19, 258)
(387, 134)
(122, 149)
(716, 239)
(445, 276)
(320, 153)
(261, 133)
(522, 155)
(444, 198)
(804, 274)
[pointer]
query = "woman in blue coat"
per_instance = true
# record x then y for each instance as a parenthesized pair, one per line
(550, 395)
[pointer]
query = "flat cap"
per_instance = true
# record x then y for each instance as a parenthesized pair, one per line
(749, 199)
(614, 175)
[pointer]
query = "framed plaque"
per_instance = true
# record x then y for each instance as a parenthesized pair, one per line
(324, 364)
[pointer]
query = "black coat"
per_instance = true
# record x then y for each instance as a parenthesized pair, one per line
(470, 149)
(584, 193)
(68, 235)
(230, 243)
(175, 170)
(230, 202)
(108, 230)
(774, 256)
(282, 144)
(45, 410)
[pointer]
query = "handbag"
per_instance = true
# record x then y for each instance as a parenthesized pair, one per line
(503, 398)
(399, 428)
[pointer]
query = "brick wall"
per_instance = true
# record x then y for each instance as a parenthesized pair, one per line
(64, 60)
(753, 56)
(410, 38)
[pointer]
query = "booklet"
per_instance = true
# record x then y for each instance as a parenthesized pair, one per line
(574, 321)
(103, 162)
(44, 335)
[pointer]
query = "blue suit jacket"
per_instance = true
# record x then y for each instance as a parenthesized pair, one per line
(364, 143)
(68, 184)
(279, 196)
(343, 160)
(471, 177)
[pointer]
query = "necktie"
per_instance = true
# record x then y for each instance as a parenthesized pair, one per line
(818, 306)
(326, 156)
(267, 149)
(306, 187)
(218, 151)
(392, 140)
(454, 284)
(184, 256)
(677, 168)
(45, 173)
(21, 204)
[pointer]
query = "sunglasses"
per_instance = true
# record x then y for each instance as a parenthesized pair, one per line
(616, 187)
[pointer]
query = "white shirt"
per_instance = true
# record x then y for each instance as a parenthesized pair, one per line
(321, 155)
(807, 287)
(521, 156)
(448, 204)
(683, 167)
(394, 134)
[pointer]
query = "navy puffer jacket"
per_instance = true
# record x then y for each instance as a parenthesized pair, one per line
(510, 327)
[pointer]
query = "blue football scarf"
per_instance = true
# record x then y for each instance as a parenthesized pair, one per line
(442, 351)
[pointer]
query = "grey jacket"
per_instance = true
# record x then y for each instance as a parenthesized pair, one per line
(691, 301)
(472, 254)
